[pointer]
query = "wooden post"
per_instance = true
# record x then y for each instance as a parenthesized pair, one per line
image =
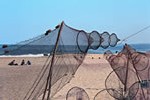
(48, 82)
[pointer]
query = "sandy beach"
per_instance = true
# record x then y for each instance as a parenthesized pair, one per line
(14, 80)
(90, 76)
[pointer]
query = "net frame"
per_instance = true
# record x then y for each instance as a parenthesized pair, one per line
(50, 62)
(105, 40)
(112, 43)
(79, 46)
(92, 36)
(80, 93)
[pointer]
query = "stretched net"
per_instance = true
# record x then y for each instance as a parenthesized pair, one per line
(138, 62)
(62, 66)
(32, 46)
(95, 40)
(66, 47)
(116, 81)
(58, 68)
(44, 44)
(141, 65)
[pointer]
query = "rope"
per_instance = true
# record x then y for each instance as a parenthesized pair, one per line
(125, 39)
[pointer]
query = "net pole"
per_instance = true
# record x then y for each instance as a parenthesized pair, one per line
(127, 69)
(48, 83)
(138, 78)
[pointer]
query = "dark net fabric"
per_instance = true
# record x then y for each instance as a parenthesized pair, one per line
(113, 40)
(77, 93)
(107, 54)
(44, 44)
(52, 75)
(60, 71)
(95, 40)
(141, 65)
(82, 41)
(136, 83)
(38, 45)
(115, 84)
(66, 47)
(105, 40)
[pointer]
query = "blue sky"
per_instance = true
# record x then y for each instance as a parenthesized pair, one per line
(24, 19)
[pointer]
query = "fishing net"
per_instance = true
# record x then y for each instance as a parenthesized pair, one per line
(66, 47)
(44, 44)
(105, 40)
(38, 45)
(121, 87)
(62, 66)
(82, 41)
(113, 39)
(57, 69)
(77, 93)
(129, 59)
(95, 40)
(141, 65)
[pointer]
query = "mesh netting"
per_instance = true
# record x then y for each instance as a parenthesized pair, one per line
(120, 87)
(66, 47)
(63, 66)
(59, 67)
(113, 39)
(82, 41)
(77, 93)
(141, 62)
(105, 40)
(45, 43)
(95, 40)
(129, 59)
(38, 45)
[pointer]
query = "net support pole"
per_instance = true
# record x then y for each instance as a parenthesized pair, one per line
(48, 83)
